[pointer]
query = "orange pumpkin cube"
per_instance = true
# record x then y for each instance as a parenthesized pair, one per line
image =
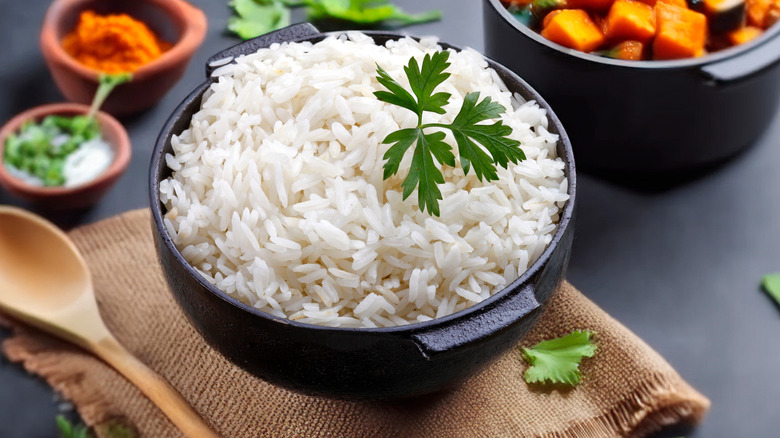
(574, 29)
(680, 32)
(630, 20)
(744, 34)
(549, 17)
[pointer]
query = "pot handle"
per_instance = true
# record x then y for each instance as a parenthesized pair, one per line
(289, 33)
(744, 66)
(487, 321)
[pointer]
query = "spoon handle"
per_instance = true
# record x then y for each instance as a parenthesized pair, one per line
(157, 389)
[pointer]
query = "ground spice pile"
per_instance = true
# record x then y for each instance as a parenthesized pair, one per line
(113, 43)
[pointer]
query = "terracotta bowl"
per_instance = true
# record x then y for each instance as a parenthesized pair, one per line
(174, 21)
(68, 197)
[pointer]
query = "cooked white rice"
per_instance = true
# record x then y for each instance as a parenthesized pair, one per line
(277, 195)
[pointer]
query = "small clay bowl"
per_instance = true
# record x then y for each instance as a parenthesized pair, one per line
(68, 198)
(174, 21)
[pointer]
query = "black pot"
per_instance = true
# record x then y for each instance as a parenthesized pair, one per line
(358, 363)
(645, 117)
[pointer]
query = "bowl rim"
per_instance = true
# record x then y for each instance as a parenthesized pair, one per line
(122, 148)
(157, 166)
(720, 55)
(192, 35)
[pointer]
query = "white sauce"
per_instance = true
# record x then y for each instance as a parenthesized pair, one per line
(87, 162)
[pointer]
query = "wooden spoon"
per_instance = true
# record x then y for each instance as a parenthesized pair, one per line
(45, 282)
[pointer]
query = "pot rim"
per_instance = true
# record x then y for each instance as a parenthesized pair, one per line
(158, 165)
(721, 55)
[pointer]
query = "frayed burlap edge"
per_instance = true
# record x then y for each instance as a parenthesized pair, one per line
(657, 403)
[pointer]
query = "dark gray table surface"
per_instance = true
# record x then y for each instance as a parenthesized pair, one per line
(679, 267)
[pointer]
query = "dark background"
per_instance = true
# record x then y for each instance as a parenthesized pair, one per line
(680, 267)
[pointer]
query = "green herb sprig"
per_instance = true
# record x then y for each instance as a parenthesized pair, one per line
(68, 430)
(253, 18)
(256, 17)
(367, 12)
(106, 84)
(472, 138)
(558, 360)
(111, 429)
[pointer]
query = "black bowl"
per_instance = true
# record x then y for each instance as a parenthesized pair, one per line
(358, 363)
(646, 118)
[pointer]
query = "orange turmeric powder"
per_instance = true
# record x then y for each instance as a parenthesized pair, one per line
(113, 43)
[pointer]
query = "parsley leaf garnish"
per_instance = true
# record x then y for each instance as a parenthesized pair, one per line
(256, 17)
(771, 284)
(473, 139)
(363, 11)
(68, 430)
(558, 360)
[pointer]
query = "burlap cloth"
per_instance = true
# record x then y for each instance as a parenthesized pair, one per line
(628, 389)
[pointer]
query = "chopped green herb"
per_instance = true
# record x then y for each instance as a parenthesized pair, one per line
(771, 284)
(534, 12)
(256, 17)
(40, 149)
(558, 360)
(471, 137)
(541, 7)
